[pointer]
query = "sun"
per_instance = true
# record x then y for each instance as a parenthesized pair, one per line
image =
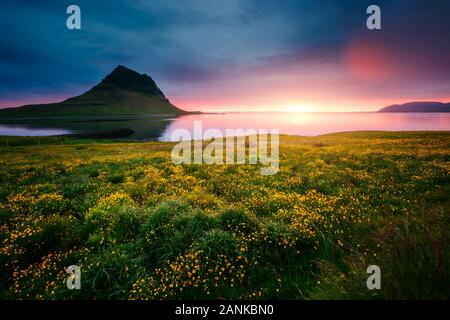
(297, 108)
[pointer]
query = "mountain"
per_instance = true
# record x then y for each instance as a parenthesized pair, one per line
(122, 92)
(425, 106)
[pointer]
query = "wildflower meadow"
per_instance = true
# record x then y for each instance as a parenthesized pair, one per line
(141, 227)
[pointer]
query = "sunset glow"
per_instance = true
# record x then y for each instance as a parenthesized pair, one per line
(292, 57)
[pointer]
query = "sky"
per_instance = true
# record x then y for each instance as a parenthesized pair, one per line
(233, 55)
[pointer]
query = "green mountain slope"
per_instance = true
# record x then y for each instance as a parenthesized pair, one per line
(122, 92)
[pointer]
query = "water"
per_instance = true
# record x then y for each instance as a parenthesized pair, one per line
(314, 123)
(307, 124)
(12, 130)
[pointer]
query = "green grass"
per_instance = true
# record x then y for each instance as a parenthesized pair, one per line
(117, 102)
(142, 228)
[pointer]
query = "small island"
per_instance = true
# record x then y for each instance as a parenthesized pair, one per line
(419, 106)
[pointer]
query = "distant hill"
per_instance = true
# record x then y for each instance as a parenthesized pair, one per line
(122, 92)
(418, 107)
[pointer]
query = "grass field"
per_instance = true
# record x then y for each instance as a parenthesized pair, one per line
(142, 228)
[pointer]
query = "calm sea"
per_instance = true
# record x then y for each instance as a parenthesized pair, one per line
(307, 124)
